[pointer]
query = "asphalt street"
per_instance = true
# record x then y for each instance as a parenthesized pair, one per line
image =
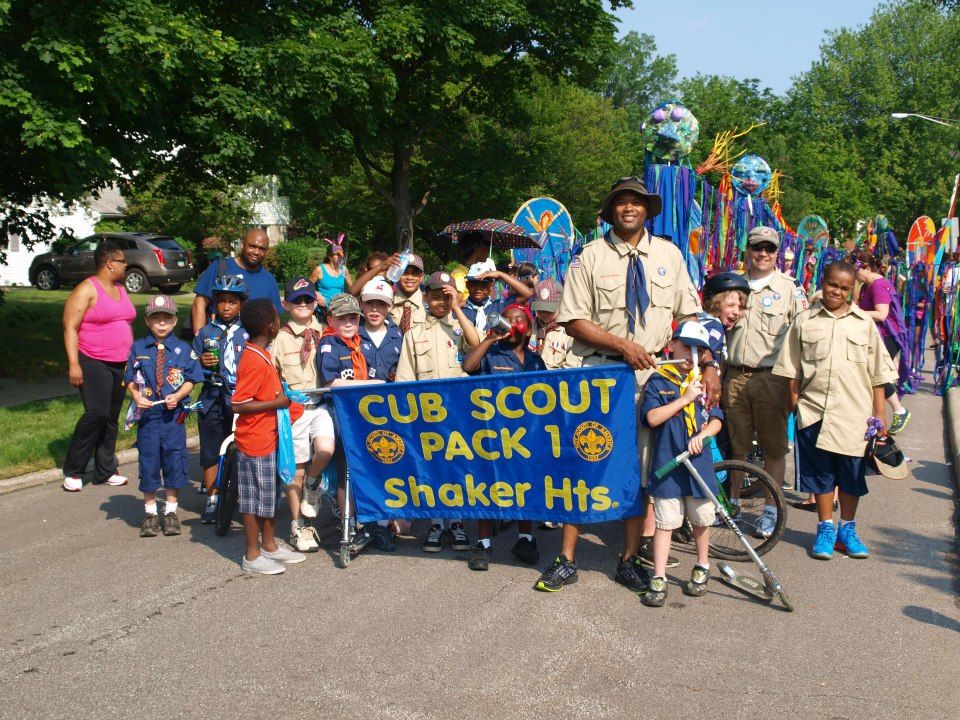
(99, 623)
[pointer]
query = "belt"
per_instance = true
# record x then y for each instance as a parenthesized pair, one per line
(745, 369)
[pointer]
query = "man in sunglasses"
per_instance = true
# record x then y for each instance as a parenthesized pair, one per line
(620, 298)
(754, 399)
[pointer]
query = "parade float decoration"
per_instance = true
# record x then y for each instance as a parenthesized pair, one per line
(549, 221)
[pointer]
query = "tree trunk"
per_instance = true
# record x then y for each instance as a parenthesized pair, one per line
(403, 211)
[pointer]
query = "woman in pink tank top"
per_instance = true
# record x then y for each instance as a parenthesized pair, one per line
(97, 335)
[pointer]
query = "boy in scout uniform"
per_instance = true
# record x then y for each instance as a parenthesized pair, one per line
(753, 397)
(553, 343)
(433, 350)
(408, 309)
(160, 373)
(836, 365)
(621, 296)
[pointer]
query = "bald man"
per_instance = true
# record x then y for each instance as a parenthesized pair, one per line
(248, 264)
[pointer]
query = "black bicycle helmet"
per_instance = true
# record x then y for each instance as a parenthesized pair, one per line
(231, 284)
(722, 282)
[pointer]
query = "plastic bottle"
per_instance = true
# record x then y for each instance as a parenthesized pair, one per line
(395, 271)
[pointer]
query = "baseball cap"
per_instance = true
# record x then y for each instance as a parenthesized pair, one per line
(343, 304)
(631, 184)
(480, 268)
(415, 261)
(298, 287)
(439, 279)
(692, 334)
(761, 234)
(546, 296)
(886, 457)
(161, 304)
(377, 289)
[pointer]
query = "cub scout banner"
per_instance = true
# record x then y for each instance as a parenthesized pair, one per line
(552, 445)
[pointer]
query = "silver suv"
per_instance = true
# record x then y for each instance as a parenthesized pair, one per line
(151, 260)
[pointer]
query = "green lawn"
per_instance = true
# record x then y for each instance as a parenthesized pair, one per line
(31, 330)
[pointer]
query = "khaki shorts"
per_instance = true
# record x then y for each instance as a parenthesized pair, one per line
(315, 422)
(668, 512)
(755, 403)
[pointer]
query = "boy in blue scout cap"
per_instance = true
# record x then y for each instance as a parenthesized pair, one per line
(160, 373)
(672, 407)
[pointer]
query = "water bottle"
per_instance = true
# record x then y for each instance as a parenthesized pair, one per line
(395, 271)
(498, 323)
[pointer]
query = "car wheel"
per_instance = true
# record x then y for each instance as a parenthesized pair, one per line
(136, 281)
(170, 289)
(47, 278)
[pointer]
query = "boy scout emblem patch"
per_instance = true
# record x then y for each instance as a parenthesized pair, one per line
(385, 446)
(175, 378)
(147, 392)
(575, 263)
(767, 301)
(661, 271)
(776, 296)
(592, 441)
(457, 331)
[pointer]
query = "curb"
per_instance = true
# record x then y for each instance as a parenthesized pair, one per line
(42, 477)
(951, 411)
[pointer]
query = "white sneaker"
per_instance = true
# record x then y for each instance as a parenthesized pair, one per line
(310, 504)
(284, 555)
(262, 565)
(304, 537)
(73, 484)
(767, 524)
(116, 480)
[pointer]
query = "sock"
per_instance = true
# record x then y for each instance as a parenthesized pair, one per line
(705, 566)
(771, 509)
(150, 508)
(485, 542)
(212, 501)
(171, 507)
(383, 523)
(901, 412)
(826, 521)
(525, 536)
(844, 522)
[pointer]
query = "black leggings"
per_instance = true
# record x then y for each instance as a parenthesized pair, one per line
(894, 349)
(96, 430)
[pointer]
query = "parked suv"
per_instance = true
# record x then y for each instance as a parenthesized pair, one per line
(151, 260)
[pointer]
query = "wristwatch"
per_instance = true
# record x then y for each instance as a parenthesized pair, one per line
(710, 363)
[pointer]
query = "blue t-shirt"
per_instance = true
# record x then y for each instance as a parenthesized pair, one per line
(333, 360)
(231, 340)
(501, 358)
(180, 365)
(261, 282)
(382, 361)
(670, 439)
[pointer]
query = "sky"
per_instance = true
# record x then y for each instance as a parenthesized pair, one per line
(717, 37)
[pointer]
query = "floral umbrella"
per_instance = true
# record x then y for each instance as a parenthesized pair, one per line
(498, 233)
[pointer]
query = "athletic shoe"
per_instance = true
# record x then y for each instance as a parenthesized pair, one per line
(330, 500)
(433, 543)
(849, 543)
(150, 527)
(170, 524)
(767, 524)
(549, 525)
(383, 538)
(645, 553)
(561, 572)
(283, 555)
(899, 422)
(73, 484)
(304, 538)
(526, 551)
(697, 587)
(116, 480)
(209, 516)
(656, 596)
(262, 565)
(633, 575)
(826, 539)
(480, 557)
(458, 537)
(310, 504)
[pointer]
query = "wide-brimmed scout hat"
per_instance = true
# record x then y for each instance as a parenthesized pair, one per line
(343, 304)
(631, 184)
(884, 456)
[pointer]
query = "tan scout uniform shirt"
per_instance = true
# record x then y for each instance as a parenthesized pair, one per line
(432, 350)
(417, 315)
(556, 350)
(838, 360)
(756, 338)
(285, 353)
(595, 289)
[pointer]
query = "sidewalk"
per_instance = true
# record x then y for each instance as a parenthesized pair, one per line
(17, 392)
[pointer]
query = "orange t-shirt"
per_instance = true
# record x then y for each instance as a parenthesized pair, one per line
(257, 379)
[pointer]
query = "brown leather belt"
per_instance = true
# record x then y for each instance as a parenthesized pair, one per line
(745, 369)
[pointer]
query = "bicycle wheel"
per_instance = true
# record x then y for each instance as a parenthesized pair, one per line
(748, 487)
(229, 495)
(724, 543)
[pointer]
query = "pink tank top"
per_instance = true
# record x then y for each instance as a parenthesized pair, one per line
(106, 331)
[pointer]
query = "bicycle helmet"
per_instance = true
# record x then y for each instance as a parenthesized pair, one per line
(722, 282)
(231, 284)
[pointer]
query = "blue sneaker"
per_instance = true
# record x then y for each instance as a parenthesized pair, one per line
(848, 542)
(826, 538)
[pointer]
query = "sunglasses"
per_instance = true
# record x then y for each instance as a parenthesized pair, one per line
(304, 300)
(768, 248)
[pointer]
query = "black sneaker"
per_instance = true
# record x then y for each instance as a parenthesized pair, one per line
(480, 557)
(150, 527)
(656, 596)
(632, 574)
(433, 543)
(383, 538)
(526, 551)
(697, 587)
(458, 537)
(561, 572)
(171, 524)
(645, 553)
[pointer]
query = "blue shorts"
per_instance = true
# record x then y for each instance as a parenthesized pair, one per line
(820, 471)
(213, 427)
(162, 446)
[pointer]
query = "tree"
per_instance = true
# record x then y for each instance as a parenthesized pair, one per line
(638, 77)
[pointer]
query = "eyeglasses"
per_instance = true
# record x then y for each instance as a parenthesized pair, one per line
(631, 178)
(768, 248)
(118, 260)
(304, 300)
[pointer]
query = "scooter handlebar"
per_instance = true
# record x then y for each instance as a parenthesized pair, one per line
(662, 472)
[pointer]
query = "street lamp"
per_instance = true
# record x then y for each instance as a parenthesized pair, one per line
(939, 121)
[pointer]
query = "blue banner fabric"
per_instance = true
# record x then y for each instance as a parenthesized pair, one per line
(555, 445)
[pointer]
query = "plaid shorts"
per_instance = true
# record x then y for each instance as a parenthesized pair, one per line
(257, 484)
